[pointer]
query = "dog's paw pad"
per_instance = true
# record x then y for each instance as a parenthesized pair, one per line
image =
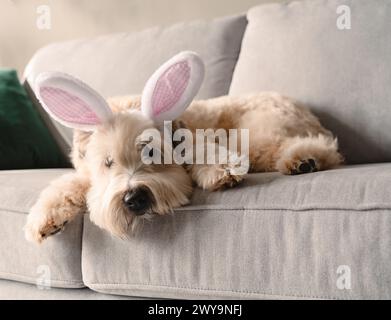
(49, 229)
(304, 166)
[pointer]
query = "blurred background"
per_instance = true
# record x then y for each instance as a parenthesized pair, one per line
(70, 19)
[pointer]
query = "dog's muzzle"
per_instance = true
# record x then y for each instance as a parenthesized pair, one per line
(137, 200)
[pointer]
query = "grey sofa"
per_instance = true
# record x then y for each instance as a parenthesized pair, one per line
(323, 235)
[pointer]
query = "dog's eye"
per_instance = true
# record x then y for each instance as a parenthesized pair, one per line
(109, 162)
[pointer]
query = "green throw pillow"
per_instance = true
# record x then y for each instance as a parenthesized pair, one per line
(25, 142)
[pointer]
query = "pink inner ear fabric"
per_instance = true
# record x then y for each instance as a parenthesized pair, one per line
(68, 107)
(170, 87)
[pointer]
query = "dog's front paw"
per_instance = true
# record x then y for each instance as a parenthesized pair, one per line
(41, 226)
(231, 174)
(224, 181)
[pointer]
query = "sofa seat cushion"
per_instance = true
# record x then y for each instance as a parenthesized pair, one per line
(12, 290)
(273, 237)
(57, 258)
(334, 56)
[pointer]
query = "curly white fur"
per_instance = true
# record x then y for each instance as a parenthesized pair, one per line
(284, 137)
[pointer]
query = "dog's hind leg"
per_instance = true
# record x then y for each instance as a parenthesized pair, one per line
(58, 204)
(299, 155)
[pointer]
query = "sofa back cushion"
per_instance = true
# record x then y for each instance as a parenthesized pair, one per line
(303, 50)
(120, 64)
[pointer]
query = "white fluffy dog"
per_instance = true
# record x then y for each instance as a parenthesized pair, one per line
(119, 190)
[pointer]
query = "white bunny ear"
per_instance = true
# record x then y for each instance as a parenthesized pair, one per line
(70, 101)
(172, 87)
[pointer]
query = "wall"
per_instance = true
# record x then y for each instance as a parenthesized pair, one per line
(20, 37)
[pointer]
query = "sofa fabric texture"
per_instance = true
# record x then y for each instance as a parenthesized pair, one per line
(120, 64)
(12, 290)
(274, 237)
(27, 262)
(298, 49)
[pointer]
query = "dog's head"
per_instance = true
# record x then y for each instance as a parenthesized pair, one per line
(125, 189)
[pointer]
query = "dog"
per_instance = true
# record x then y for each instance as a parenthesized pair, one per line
(120, 192)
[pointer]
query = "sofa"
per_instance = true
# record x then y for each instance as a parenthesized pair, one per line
(323, 235)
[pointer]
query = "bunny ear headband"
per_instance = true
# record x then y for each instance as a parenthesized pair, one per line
(166, 95)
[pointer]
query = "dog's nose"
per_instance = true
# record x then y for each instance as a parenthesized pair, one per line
(137, 201)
